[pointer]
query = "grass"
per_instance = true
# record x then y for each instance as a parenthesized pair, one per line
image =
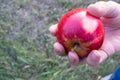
(26, 51)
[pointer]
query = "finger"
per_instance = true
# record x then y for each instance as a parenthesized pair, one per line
(104, 9)
(96, 57)
(74, 59)
(53, 29)
(59, 49)
(111, 21)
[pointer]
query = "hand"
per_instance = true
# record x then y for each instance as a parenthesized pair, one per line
(109, 13)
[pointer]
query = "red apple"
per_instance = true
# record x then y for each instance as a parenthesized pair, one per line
(81, 32)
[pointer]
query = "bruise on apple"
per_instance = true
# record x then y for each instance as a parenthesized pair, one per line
(80, 32)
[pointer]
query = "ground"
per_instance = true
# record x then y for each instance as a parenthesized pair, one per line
(26, 51)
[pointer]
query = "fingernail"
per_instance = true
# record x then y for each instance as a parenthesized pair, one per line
(73, 58)
(59, 49)
(94, 57)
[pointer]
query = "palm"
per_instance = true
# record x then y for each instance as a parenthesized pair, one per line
(112, 39)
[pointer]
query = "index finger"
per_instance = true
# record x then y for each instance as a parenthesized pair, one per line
(53, 29)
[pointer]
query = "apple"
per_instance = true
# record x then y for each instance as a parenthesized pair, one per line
(81, 32)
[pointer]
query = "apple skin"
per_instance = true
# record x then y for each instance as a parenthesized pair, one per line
(81, 32)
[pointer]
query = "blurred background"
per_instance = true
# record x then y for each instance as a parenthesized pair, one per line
(26, 46)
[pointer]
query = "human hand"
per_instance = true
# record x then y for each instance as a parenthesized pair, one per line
(109, 13)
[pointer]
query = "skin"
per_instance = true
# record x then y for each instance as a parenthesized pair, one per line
(109, 13)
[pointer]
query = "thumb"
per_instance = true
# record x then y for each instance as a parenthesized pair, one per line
(96, 57)
(104, 9)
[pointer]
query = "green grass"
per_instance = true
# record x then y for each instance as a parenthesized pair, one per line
(26, 51)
